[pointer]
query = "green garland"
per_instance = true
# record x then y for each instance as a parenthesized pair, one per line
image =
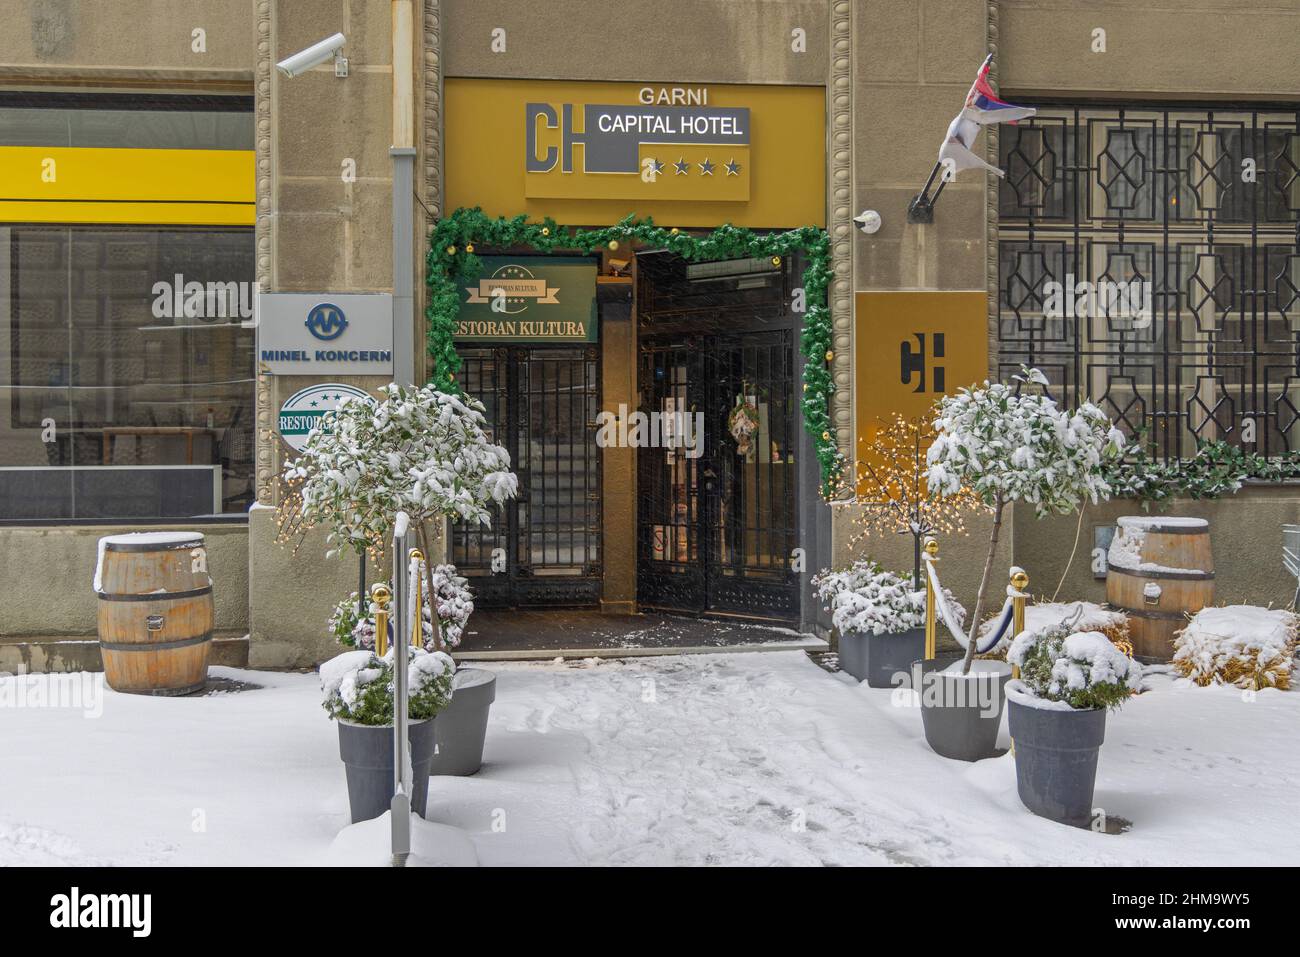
(1217, 469)
(452, 262)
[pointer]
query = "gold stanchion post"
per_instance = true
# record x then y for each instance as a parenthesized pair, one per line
(381, 594)
(1019, 582)
(931, 629)
(417, 630)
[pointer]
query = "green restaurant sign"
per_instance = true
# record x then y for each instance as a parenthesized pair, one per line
(530, 299)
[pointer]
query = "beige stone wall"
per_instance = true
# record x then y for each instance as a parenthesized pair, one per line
(46, 576)
(129, 43)
(1202, 50)
(914, 63)
(697, 41)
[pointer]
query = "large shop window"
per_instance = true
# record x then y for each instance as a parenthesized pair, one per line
(114, 403)
(1197, 207)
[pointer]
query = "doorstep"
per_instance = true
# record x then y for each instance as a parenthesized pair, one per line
(529, 635)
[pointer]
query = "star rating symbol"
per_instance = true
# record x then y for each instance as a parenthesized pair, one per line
(682, 166)
(656, 167)
(733, 168)
(706, 167)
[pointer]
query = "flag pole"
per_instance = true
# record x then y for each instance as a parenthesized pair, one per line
(921, 208)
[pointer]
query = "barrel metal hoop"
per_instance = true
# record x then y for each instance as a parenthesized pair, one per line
(154, 547)
(165, 692)
(155, 645)
(158, 595)
(1190, 575)
(1171, 529)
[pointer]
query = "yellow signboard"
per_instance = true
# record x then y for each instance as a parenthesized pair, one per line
(56, 184)
(591, 153)
(911, 348)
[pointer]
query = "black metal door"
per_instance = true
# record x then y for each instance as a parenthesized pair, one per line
(543, 549)
(716, 517)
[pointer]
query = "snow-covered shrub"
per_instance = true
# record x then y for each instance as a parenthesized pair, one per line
(420, 451)
(865, 599)
(347, 624)
(358, 685)
(1011, 445)
(455, 605)
(1050, 614)
(1015, 446)
(1241, 645)
(1083, 669)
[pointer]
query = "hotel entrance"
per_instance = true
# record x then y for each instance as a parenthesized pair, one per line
(717, 519)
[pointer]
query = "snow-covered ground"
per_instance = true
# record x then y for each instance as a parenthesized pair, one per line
(711, 759)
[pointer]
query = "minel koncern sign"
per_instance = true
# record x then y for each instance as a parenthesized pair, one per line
(334, 333)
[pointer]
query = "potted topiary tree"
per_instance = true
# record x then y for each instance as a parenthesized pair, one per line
(417, 450)
(1057, 715)
(880, 617)
(1007, 444)
(358, 689)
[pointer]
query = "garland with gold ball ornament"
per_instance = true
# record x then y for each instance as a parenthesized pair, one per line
(452, 263)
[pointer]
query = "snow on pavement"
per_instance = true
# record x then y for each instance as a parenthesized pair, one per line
(709, 759)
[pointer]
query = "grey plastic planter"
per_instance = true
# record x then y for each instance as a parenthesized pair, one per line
(461, 727)
(879, 658)
(961, 714)
(1056, 760)
(367, 753)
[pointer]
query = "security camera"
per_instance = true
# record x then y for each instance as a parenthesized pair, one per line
(868, 221)
(315, 55)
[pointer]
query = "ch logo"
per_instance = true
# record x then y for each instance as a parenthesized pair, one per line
(326, 321)
(913, 363)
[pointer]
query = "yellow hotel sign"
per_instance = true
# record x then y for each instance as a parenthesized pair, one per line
(591, 153)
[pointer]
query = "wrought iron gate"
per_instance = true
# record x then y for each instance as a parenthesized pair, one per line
(543, 549)
(1202, 204)
(717, 519)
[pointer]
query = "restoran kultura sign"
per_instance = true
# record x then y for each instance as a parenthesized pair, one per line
(550, 299)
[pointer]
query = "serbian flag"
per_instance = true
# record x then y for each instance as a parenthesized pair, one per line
(982, 108)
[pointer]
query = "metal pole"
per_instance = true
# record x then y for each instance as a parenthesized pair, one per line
(401, 804)
(403, 154)
(403, 267)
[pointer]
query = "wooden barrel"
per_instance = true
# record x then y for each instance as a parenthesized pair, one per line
(155, 612)
(1159, 570)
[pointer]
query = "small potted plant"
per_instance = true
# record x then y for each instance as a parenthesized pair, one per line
(1007, 444)
(461, 729)
(880, 617)
(358, 694)
(1057, 715)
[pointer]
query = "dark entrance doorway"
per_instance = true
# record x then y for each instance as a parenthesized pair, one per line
(717, 519)
(543, 549)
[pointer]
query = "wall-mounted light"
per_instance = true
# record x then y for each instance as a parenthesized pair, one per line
(868, 221)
